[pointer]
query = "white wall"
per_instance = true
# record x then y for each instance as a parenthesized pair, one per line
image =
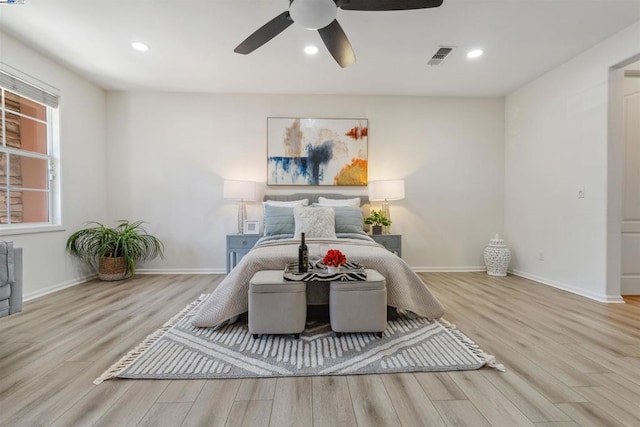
(168, 155)
(556, 143)
(82, 111)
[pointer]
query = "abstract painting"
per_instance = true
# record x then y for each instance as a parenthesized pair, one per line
(316, 151)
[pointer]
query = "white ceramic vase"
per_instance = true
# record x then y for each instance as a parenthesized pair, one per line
(333, 270)
(496, 257)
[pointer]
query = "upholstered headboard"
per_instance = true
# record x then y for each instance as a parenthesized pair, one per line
(313, 197)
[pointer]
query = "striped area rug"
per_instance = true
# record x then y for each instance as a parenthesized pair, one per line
(180, 351)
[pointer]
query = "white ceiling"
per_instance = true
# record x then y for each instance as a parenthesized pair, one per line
(192, 44)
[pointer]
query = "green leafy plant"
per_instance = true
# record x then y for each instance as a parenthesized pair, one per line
(128, 240)
(377, 218)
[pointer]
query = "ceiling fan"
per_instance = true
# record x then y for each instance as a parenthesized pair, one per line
(321, 15)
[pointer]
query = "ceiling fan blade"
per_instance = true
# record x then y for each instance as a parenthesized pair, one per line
(265, 33)
(338, 44)
(381, 5)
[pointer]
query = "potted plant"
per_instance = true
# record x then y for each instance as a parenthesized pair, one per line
(377, 219)
(114, 251)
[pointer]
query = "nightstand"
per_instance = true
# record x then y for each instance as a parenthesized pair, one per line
(393, 242)
(238, 245)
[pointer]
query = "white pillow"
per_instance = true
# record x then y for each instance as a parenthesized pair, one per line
(340, 202)
(314, 222)
(302, 202)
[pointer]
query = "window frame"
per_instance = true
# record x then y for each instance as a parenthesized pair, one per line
(52, 156)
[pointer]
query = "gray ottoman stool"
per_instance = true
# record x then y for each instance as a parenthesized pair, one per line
(359, 306)
(276, 306)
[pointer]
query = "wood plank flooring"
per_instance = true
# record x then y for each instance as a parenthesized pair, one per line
(570, 362)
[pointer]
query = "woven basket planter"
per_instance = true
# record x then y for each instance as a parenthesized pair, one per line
(111, 269)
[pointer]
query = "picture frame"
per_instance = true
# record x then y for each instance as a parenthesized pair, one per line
(317, 152)
(251, 227)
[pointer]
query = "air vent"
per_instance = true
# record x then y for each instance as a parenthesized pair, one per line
(440, 55)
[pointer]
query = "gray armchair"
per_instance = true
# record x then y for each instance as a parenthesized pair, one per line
(10, 279)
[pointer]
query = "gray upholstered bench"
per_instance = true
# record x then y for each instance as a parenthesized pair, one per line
(276, 306)
(359, 306)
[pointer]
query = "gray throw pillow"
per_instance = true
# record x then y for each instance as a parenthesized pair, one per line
(278, 220)
(348, 219)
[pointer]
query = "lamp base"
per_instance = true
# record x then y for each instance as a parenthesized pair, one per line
(386, 229)
(242, 215)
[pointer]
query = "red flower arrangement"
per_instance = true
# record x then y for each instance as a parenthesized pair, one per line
(334, 258)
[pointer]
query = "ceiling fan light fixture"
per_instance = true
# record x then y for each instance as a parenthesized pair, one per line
(321, 15)
(313, 14)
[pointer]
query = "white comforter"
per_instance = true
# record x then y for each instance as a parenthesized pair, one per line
(405, 289)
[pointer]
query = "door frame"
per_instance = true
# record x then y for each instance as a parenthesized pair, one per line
(615, 162)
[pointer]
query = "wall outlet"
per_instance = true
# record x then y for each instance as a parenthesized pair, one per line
(541, 256)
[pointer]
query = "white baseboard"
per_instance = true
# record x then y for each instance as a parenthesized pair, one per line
(55, 288)
(448, 269)
(615, 299)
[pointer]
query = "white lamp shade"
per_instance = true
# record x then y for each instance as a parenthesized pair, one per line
(386, 190)
(240, 190)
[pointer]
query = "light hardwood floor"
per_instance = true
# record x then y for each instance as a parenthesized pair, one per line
(570, 361)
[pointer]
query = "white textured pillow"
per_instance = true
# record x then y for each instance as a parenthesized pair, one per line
(314, 222)
(340, 202)
(302, 202)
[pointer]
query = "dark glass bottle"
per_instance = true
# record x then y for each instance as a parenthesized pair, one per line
(303, 256)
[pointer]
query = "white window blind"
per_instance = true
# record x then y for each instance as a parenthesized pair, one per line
(23, 88)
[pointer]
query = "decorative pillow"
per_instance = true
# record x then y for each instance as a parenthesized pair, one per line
(278, 220)
(301, 202)
(348, 219)
(314, 222)
(355, 202)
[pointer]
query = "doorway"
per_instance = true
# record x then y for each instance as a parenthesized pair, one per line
(623, 192)
(630, 224)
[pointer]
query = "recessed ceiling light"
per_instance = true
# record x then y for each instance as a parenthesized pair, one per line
(476, 53)
(310, 50)
(140, 46)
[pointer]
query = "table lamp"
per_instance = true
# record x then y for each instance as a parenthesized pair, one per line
(244, 191)
(385, 191)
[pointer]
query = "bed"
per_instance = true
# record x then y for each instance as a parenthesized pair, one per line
(279, 247)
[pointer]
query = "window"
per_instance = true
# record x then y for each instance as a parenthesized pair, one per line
(28, 120)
